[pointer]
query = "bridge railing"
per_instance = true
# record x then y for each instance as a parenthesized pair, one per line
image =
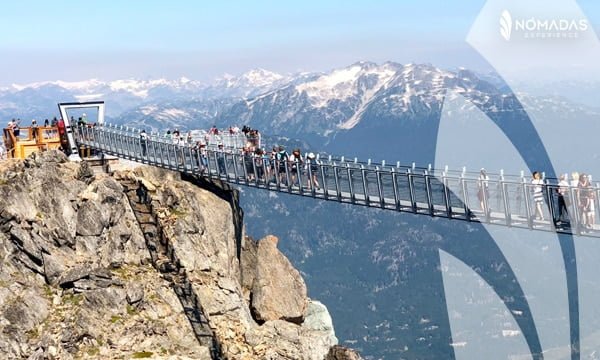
(232, 141)
(504, 201)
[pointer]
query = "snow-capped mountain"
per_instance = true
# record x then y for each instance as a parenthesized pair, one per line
(364, 97)
(185, 114)
(249, 84)
(121, 96)
(96, 89)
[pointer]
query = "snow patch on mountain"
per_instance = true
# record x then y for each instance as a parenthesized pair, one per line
(85, 85)
(94, 88)
(252, 78)
(336, 85)
(137, 88)
(171, 113)
(148, 109)
(383, 77)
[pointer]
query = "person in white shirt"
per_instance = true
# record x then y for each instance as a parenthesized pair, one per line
(538, 194)
(144, 142)
(483, 191)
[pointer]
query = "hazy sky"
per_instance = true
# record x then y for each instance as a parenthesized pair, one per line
(75, 40)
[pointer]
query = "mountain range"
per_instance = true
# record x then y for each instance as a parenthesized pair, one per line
(390, 104)
(383, 266)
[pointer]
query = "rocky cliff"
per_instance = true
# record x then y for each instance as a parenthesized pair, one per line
(88, 271)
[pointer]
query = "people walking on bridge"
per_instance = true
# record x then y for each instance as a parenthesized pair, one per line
(296, 163)
(176, 137)
(538, 195)
(312, 171)
(483, 190)
(221, 159)
(11, 127)
(253, 137)
(203, 157)
(248, 159)
(16, 128)
(562, 193)
(281, 159)
(199, 153)
(34, 129)
(181, 147)
(266, 164)
(259, 164)
(586, 197)
(144, 142)
(271, 169)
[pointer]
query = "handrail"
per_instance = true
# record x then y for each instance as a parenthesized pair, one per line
(506, 202)
(353, 162)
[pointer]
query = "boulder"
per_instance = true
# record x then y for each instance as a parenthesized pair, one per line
(278, 292)
(342, 353)
(317, 318)
(135, 293)
(91, 220)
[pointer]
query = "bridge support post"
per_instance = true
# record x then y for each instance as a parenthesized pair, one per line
(428, 191)
(324, 181)
(411, 190)
(463, 188)
(363, 174)
(337, 183)
(350, 186)
(380, 188)
(527, 204)
(506, 202)
(395, 188)
(446, 195)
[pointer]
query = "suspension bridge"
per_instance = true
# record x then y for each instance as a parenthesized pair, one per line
(509, 200)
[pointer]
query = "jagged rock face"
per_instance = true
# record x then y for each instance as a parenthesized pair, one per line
(200, 226)
(76, 279)
(278, 291)
(74, 275)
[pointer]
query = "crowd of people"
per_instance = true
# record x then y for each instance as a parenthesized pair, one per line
(258, 164)
(279, 166)
(562, 199)
(14, 126)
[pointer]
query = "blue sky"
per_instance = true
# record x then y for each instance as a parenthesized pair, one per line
(73, 40)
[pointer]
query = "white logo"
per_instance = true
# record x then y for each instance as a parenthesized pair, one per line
(506, 25)
(541, 28)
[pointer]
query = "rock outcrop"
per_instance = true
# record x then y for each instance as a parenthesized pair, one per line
(201, 226)
(77, 281)
(278, 290)
(342, 353)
